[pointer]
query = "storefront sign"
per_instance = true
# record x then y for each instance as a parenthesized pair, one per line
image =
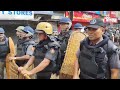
(83, 17)
(16, 15)
(111, 20)
(113, 14)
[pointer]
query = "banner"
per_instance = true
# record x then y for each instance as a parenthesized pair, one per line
(110, 20)
(83, 17)
(113, 14)
(16, 15)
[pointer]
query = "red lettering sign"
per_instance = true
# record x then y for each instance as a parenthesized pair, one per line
(83, 17)
(111, 20)
(112, 14)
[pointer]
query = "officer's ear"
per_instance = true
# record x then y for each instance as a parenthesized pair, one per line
(103, 29)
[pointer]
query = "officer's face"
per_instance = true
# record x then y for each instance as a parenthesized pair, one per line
(41, 36)
(36, 38)
(64, 26)
(1, 36)
(22, 35)
(18, 33)
(94, 34)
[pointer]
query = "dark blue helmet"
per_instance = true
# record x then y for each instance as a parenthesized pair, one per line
(78, 25)
(65, 20)
(29, 30)
(2, 30)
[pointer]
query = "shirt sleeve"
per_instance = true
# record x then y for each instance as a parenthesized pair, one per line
(30, 50)
(114, 61)
(51, 54)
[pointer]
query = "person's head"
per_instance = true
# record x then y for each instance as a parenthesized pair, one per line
(43, 29)
(78, 26)
(65, 24)
(95, 29)
(27, 32)
(19, 29)
(2, 34)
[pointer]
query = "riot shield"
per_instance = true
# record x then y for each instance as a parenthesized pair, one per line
(11, 66)
(67, 69)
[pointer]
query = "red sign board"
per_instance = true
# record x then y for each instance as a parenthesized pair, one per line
(112, 14)
(83, 17)
(111, 20)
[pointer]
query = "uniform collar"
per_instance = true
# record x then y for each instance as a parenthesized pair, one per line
(99, 40)
(100, 43)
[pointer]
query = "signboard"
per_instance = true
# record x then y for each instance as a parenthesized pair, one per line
(111, 20)
(112, 13)
(16, 15)
(83, 17)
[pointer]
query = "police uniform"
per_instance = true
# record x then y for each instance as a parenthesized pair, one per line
(46, 49)
(4, 50)
(96, 61)
(99, 59)
(24, 47)
(63, 38)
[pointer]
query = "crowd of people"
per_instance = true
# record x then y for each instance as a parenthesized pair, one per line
(113, 33)
(98, 54)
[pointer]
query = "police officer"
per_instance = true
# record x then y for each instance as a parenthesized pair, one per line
(97, 56)
(78, 27)
(65, 25)
(4, 50)
(19, 31)
(25, 45)
(45, 55)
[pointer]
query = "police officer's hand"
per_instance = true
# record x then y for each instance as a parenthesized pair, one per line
(25, 72)
(20, 69)
(12, 58)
